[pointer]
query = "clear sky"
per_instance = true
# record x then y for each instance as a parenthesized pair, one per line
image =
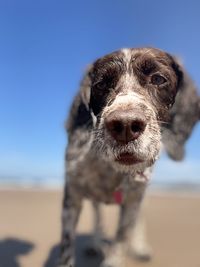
(44, 49)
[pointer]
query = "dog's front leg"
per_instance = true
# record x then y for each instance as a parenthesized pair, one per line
(139, 247)
(129, 211)
(70, 214)
(97, 241)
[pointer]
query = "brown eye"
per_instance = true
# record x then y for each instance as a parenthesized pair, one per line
(101, 84)
(157, 79)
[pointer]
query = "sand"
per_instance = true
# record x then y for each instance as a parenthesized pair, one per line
(30, 229)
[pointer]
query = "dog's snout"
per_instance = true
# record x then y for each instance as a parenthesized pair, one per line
(125, 126)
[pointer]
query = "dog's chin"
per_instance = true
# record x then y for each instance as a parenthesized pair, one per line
(128, 159)
(130, 164)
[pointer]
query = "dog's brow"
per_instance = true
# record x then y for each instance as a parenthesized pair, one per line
(129, 94)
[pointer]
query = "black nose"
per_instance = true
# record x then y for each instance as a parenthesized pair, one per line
(125, 126)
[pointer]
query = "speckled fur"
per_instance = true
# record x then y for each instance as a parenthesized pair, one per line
(121, 80)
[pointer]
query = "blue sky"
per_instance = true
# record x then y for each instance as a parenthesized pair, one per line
(44, 49)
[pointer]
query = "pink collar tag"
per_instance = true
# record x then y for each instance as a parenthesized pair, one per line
(117, 195)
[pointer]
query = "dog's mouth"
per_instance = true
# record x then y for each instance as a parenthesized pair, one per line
(128, 159)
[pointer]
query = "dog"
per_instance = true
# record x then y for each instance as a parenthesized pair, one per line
(184, 116)
(114, 138)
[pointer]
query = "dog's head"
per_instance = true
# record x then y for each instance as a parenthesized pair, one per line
(131, 93)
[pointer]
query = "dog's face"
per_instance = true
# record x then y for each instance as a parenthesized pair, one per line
(132, 91)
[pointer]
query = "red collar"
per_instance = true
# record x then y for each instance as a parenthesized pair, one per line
(118, 196)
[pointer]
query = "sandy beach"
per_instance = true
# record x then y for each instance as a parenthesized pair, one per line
(30, 229)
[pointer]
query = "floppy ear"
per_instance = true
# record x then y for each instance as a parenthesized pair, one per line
(86, 86)
(96, 100)
(80, 113)
(199, 107)
(88, 97)
(178, 69)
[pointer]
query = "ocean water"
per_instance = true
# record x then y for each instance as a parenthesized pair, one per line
(166, 174)
(32, 182)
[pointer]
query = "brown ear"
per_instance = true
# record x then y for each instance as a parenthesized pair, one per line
(86, 86)
(178, 69)
(199, 107)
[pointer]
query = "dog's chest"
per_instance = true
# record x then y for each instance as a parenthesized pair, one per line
(97, 180)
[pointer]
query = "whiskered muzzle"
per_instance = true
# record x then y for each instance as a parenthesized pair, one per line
(128, 133)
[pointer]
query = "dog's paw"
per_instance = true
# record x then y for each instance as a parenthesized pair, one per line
(65, 265)
(112, 263)
(104, 264)
(141, 254)
(115, 257)
(70, 263)
(144, 256)
(92, 251)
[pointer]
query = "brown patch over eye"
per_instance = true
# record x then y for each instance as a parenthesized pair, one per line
(148, 66)
(158, 79)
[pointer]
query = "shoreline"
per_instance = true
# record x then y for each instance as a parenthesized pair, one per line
(160, 191)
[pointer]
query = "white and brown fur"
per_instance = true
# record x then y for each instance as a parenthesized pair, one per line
(133, 86)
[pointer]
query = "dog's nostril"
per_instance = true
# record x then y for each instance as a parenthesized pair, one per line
(125, 127)
(138, 126)
(117, 126)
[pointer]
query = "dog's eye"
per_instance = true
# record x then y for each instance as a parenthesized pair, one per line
(101, 84)
(104, 83)
(157, 79)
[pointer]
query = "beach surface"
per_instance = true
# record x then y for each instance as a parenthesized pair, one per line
(30, 229)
